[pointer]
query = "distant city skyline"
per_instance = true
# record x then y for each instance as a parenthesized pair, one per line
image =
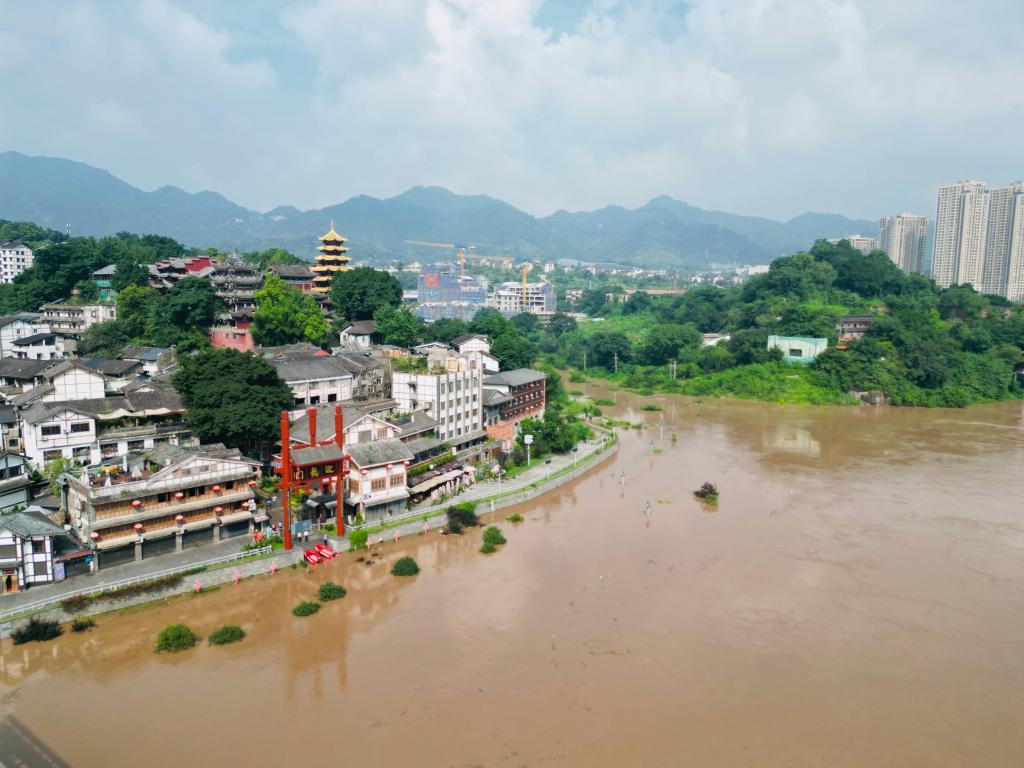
(859, 108)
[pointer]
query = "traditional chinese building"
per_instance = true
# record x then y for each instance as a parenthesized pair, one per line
(332, 259)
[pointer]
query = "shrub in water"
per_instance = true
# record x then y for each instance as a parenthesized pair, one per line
(494, 536)
(488, 548)
(330, 591)
(306, 608)
(461, 516)
(707, 492)
(358, 539)
(515, 517)
(36, 630)
(174, 638)
(405, 566)
(230, 633)
(82, 623)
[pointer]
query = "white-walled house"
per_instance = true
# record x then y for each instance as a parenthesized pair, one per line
(65, 380)
(14, 481)
(17, 326)
(315, 379)
(46, 345)
(26, 550)
(15, 258)
(451, 393)
(471, 342)
(376, 485)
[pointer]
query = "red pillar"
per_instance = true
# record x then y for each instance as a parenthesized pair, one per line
(311, 415)
(339, 482)
(286, 472)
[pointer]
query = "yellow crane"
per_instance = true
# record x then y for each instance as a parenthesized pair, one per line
(446, 246)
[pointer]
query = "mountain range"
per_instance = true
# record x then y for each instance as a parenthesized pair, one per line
(665, 233)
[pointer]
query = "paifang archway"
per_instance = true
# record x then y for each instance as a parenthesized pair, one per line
(312, 466)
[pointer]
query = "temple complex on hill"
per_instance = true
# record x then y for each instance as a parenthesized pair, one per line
(333, 258)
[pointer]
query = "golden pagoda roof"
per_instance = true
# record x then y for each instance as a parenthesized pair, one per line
(332, 236)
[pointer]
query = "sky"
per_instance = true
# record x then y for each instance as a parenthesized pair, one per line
(762, 107)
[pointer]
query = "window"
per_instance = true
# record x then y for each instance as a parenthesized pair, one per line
(379, 484)
(162, 498)
(332, 397)
(8, 551)
(314, 400)
(50, 431)
(12, 443)
(397, 481)
(793, 352)
(80, 426)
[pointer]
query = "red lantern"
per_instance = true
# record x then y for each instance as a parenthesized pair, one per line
(216, 489)
(217, 510)
(136, 503)
(179, 495)
(137, 526)
(179, 519)
(406, 462)
(252, 483)
(364, 471)
(94, 536)
(391, 466)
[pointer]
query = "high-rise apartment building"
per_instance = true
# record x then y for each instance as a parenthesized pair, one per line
(903, 237)
(15, 258)
(1015, 260)
(862, 243)
(1003, 211)
(961, 230)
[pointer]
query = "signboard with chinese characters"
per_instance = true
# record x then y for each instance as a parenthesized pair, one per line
(320, 471)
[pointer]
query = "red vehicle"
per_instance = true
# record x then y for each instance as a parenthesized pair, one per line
(312, 557)
(326, 552)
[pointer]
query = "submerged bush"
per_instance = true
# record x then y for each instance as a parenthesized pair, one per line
(174, 638)
(405, 566)
(36, 630)
(330, 591)
(494, 536)
(462, 516)
(708, 492)
(82, 623)
(358, 539)
(306, 608)
(515, 517)
(488, 548)
(230, 633)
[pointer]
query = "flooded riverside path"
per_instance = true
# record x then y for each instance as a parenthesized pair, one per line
(856, 599)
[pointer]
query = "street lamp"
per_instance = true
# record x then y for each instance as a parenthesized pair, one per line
(528, 441)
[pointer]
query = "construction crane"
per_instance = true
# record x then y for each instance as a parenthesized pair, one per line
(446, 246)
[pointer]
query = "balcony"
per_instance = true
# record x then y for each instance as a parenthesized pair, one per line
(145, 486)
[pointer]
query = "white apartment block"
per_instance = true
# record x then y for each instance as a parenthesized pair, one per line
(1015, 258)
(961, 229)
(903, 238)
(1003, 207)
(15, 258)
(863, 244)
(19, 325)
(73, 319)
(514, 298)
(453, 396)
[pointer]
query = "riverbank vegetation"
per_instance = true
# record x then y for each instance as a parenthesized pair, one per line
(493, 538)
(926, 345)
(405, 566)
(306, 608)
(229, 633)
(174, 638)
(330, 591)
(36, 630)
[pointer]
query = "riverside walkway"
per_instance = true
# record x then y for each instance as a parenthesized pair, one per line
(531, 482)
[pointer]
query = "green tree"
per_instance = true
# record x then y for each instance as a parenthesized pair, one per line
(398, 326)
(357, 293)
(664, 341)
(513, 351)
(191, 304)
(135, 305)
(285, 316)
(105, 339)
(491, 323)
(232, 397)
(446, 329)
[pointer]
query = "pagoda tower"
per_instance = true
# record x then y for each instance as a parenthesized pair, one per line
(332, 259)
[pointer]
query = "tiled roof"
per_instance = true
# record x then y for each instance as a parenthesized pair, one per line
(27, 317)
(13, 368)
(360, 328)
(26, 341)
(379, 452)
(350, 413)
(515, 378)
(459, 340)
(310, 367)
(25, 524)
(317, 454)
(145, 354)
(110, 367)
(293, 270)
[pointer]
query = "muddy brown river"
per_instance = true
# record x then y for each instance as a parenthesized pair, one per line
(856, 599)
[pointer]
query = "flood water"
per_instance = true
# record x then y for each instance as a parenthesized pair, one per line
(856, 599)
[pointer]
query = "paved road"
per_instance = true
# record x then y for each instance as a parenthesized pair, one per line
(20, 748)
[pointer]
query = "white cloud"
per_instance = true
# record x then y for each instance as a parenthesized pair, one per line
(714, 101)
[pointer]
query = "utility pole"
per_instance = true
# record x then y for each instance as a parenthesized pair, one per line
(584, 361)
(616, 362)
(672, 368)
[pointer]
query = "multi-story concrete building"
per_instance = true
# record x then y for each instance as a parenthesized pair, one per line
(1004, 211)
(42, 346)
(17, 326)
(961, 229)
(26, 550)
(73, 319)
(903, 238)
(510, 397)
(1015, 265)
(442, 292)
(862, 243)
(15, 258)
(162, 501)
(376, 486)
(517, 298)
(449, 389)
